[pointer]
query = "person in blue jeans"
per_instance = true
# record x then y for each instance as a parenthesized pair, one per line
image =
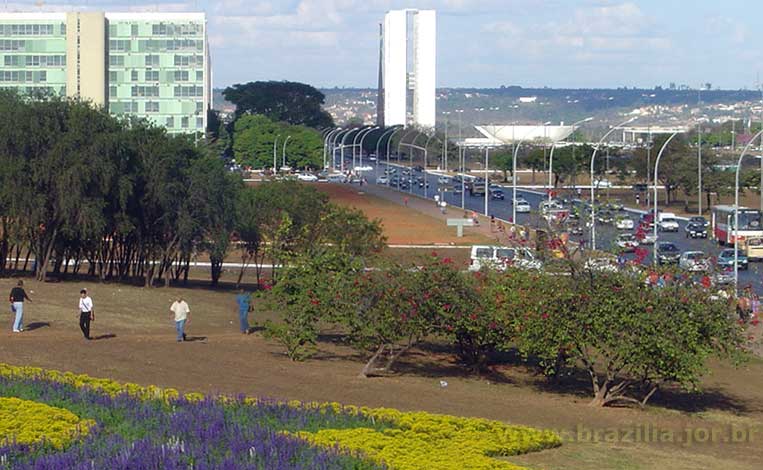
(17, 297)
(244, 301)
(181, 313)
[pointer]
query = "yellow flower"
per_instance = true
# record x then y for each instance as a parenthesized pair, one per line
(29, 422)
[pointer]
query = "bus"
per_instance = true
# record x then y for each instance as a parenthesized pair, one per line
(723, 224)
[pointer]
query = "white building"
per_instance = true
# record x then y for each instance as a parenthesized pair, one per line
(397, 80)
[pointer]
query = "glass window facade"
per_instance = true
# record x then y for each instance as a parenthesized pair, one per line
(159, 65)
(33, 55)
(156, 64)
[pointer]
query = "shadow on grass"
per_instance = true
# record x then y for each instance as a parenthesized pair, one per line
(106, 336)
(37, 325)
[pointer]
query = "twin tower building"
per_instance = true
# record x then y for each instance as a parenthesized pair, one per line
(407, 62)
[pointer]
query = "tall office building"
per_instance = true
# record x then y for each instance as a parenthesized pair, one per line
(151, 65)
(409, 69)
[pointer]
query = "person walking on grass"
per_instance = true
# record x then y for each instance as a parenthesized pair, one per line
(17, 297)
(244, 301)
(181, 313)
(86, 313)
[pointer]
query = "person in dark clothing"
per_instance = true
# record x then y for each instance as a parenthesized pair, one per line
(17, 298)
(86, 313)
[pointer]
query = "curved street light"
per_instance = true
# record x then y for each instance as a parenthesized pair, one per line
(736, 210)
(326, 140)
(514, 171)
(551, 156)
(361, 144)
(593, 159)
(656, 168)
(333, 146)
(275, 154)
(341, 151)
(283, 152)
(389, 141)
(360, 134)
(410, 153)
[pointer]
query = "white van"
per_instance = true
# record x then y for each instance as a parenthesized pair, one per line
(499, 257)
(667, 222)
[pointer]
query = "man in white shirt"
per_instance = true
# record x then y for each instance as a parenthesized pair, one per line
(181, 313)
(86, 313)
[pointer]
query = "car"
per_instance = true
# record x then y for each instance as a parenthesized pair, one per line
(698, 219)
(726, 259)
(421, 183)
(646, 237)
(457, 189)
(496, 194)
(695, 261)
(523, 206)
(624, 223)
(382, 180)
(605, 217)
(602, 265)
(695, 230)
(307, 177)
(627, 242)
(575, 229)
(418, 168)
(390, 171)
(443, 180)
(499, 258)
(615, 205)
(640, 187)
(477, 190)
(667, 253)
(646, 221)
(406, 171)
(336, 178)
(602, 184)
(546, 206)
(668, 224)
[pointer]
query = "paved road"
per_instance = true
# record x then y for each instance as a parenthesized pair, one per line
(605, 233)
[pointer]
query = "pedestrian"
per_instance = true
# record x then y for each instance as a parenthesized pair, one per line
(638, 199)
(86, 313)
(182, 315)
(475, 218)
(492, 223)
(244, 301)
(17, 297)
(443, 207)
(405, 201)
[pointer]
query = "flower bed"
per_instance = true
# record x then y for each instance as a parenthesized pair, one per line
(29, 422)
(131, 426)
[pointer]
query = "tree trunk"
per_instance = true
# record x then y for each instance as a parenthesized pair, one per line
(371, 362)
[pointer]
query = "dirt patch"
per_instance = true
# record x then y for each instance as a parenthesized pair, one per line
(138, 344)
(402, 225)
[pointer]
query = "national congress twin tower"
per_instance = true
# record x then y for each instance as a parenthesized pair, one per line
(152, 65)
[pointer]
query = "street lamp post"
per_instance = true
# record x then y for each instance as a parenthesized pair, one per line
(275, 154)
(402, 140)
(551, 157)
(389, 141)
(654, 215)
(593, 197)
(326, 141)
(361, 144)
(355, 143)
(736, 210)
(341, 151)
(334, 147)
(514, 171)
(699, 168)
(283, 152)
(487, 179)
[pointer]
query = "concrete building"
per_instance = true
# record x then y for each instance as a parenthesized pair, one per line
(408, 66)
(150, 65)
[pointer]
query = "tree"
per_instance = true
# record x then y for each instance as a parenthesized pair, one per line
(503, 160)
(290, 102)
(254, 136)
(534, 159)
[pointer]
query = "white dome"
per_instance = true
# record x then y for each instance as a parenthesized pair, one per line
(510, 133)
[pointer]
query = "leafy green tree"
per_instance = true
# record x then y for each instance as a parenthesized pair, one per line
(290, 102)
(254, 136)
(534, 159)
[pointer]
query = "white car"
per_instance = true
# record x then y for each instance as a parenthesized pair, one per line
(307, 177)
(499, 257)
(668, 224)
(382, 180)
(523, 206)
(695, 261)
(443, 180)
(647, 238)
(602, 265)
(624, 223)
(602, 184)
(627, 242)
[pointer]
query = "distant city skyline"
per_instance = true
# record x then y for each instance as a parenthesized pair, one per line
(480, 43)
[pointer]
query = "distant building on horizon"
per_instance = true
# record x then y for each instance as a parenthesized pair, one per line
(150, 65)
(397, 79)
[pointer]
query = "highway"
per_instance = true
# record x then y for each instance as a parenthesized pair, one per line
(605, 233)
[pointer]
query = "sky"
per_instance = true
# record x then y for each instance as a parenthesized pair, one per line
(481, 43)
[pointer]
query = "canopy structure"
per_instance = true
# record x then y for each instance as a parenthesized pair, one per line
(533, 133)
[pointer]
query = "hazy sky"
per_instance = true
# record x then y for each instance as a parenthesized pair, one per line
(481, 43)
